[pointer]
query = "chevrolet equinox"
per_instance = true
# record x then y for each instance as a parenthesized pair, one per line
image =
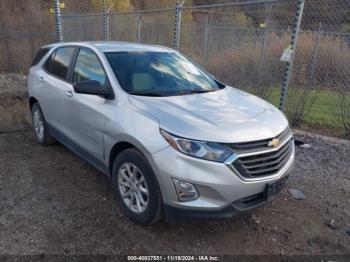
(175, 141)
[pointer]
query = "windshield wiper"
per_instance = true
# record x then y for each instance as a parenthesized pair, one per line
(198, 91)
(146, 94)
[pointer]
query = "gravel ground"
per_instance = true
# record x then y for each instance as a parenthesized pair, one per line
(52, 202)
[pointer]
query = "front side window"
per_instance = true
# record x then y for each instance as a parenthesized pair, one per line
(61, 61)
(159, 74)
(89, 67)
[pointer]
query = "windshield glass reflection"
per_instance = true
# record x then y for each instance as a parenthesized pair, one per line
(159, 74)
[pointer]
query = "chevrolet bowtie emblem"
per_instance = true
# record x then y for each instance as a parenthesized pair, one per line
(274, 142)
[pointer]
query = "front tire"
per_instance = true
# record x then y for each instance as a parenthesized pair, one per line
(41, 130)
(135, 187)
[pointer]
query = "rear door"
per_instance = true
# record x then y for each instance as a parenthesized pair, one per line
(83, 115)
(54, 79)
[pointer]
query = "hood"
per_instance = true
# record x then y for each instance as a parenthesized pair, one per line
(225, 116)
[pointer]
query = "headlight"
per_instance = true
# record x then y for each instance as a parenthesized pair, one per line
(205, 150)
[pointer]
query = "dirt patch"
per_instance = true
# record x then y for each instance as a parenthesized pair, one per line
(14, 114)
(53, 202)
(12, 85)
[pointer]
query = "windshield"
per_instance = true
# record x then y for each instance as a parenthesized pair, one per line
(159, 74)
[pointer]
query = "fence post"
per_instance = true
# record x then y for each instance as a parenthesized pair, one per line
(314, 57)
(293, 43)
(261, 90)
(58, 22)
(139, 27)
(261, 66)
(206, 40)
(177, 30)
(10, 66)
(104, 20)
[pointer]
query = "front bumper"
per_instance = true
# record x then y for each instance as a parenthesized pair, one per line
(175, 215)
(220, 188)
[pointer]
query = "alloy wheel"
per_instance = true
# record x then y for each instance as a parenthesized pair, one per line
(133, 187)
(38, 124)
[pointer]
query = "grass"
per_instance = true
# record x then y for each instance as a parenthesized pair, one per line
(322, 111)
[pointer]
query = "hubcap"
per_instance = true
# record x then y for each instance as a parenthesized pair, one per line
(133, 187)
(38, 124)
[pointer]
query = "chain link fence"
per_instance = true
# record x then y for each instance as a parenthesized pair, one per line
(319, 93)
(20, 36)
(149, 27)
(241, 43)
(18, 49)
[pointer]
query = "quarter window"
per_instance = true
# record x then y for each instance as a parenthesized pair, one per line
(61, 61)
(41, 53)
(48, 62)
(89, 67)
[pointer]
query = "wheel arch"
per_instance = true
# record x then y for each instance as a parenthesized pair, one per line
(116, 150)
(124, 143)
(32, 101)
(157, 208)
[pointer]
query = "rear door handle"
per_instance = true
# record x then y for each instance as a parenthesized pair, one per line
(68, 93)
(41, 79)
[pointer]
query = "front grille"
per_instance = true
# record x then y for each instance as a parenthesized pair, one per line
(264, 164)
(259, 145)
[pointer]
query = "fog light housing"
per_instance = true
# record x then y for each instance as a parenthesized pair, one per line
(185, 191)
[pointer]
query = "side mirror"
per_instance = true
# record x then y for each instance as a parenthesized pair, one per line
(92, 87)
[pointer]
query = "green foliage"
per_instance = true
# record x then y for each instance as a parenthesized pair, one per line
(345, 28)
(322, 111)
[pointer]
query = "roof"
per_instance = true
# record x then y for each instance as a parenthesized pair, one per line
(115, 46)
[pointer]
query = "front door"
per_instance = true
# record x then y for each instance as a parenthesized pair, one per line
(83, 115)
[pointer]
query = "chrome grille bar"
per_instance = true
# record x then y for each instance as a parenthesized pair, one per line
(265, 163)
(259, 145)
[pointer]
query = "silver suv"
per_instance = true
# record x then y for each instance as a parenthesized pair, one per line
(173, 139)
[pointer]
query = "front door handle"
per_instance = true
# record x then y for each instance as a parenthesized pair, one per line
(41, 79)
(68, 93)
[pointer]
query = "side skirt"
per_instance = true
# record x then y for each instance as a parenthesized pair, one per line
(78, 150)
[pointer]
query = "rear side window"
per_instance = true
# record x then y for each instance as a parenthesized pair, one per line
(41, 53)
(60, 62)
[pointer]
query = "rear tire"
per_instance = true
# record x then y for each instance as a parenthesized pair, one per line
(136, 188)
(41, 130)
